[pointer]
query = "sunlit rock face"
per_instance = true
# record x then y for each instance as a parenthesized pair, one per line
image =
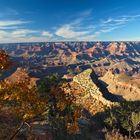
(91, 97)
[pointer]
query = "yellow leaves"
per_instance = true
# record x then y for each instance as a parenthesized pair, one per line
(61, 105)
(6, 97)
(0, 86)
(11, 97)
(73, 128)
(25, 99)
(28, 115)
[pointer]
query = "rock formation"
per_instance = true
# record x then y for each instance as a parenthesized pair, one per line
(21, 75)
(90, 97)
(123, 85)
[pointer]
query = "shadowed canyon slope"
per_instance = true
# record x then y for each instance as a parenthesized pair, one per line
(123, 85)
(45, 58)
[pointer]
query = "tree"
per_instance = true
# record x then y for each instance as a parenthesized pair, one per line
(63, 112)
(5, 62)
(135, 116)
(19, 97)
(26, 103)
(126, 117)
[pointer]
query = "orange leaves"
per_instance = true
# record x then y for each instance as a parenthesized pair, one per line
(61, 105)
(25, 100)
(73, 128)
(6, 97)
(4, 60)
(77, 113)
(28, 115)
(19, 96)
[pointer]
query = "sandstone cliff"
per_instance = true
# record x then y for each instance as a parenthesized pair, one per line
(123, 85)
(90, 96)
(21, 75)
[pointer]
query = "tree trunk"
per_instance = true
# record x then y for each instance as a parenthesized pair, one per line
(17, 131)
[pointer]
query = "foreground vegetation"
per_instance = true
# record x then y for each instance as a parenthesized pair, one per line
(121, 121)
(23, 104)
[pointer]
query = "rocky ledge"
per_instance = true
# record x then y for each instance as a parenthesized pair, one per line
(91, 97)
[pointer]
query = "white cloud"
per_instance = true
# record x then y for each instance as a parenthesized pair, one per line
(12, 30)
(9, 27)
(3, 34)
(67, 32)
(131, 16)
(107, 21)
(5, 23)
(111, 24)
(46, 33)
(122, 20)
(109, 29)
(22, 32)
(15, 35)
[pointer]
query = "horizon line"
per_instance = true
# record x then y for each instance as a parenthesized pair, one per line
(70, 41)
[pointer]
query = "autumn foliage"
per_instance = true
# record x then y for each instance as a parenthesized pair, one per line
(63, 109)
(27, 103)
(4, 60)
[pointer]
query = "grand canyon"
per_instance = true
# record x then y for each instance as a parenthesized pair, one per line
(69, 69)
(100, 75)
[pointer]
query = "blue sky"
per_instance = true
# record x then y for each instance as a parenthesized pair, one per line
(69, 20)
